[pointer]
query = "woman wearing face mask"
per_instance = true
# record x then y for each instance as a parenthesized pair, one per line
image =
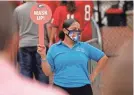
(68, 60)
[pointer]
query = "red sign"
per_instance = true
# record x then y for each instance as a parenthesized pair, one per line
(41, 14)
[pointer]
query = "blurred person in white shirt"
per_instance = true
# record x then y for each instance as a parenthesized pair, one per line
(11, 83)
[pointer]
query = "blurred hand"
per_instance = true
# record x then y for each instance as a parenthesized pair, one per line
(41, 50)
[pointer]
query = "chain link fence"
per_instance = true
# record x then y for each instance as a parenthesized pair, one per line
(115, 21)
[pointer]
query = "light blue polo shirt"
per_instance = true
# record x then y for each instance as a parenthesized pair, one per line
(70, 65)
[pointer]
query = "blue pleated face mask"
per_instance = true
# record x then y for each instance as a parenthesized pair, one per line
(74, 35)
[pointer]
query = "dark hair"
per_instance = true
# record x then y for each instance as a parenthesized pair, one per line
(6, 29)
(71, 7)
(61, 35)
(67, 23)
(63, 2)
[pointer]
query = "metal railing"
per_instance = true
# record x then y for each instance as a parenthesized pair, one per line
(96, 37)
(95, 41)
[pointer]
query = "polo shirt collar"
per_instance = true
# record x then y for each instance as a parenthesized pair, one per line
(60, 42)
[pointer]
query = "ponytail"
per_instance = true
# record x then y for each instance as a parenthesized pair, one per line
(62, 3)
(62, 35)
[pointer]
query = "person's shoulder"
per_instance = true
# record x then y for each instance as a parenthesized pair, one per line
(55, 46)
(84, 43)
(6, 69)
(20, 7)
(34, 88)
(61, 7)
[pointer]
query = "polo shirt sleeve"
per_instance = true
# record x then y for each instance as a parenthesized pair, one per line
(50, 60)
(93, 52)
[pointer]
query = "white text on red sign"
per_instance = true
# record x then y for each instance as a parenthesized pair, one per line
(40, 14)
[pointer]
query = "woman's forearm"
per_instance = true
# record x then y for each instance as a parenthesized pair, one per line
(100, 65)
(45, 66)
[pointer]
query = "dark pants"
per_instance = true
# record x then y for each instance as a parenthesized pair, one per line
(30, 64)
(84, 90)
